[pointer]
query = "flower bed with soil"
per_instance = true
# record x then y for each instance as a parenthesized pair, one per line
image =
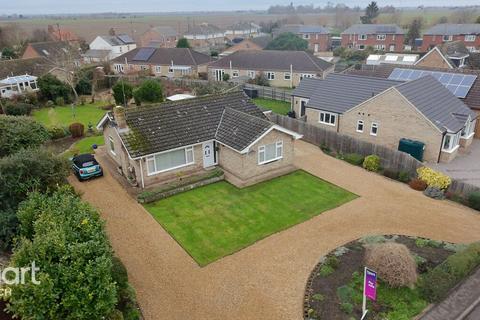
(334, 289)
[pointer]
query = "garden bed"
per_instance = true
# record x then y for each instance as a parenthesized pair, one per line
(334, 289)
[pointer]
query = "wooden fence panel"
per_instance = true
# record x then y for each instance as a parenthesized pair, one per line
(271, 92)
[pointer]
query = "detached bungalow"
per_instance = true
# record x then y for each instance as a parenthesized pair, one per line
(384, 111)
(162, 62)
(280, 68)
(157, 144)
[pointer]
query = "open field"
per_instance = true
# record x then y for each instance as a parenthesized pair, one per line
(89, 27)
(65, 115)
(220, 219)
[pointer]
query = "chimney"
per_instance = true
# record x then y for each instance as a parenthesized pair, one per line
(119, 114)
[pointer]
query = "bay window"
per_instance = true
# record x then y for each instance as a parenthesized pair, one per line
(270, 152)
(169, 160)
(327, 118)
(451, 142)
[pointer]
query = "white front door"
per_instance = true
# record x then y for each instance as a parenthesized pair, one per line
(209, 155)
(316, 47)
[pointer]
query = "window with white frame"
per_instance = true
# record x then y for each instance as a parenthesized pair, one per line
(112, 145)
(374, 129)
(306, 36)
(360, 125)
(470, 37)
(361, 47)
(169, 160)
(235, 73)
(451, 142)
(270, 152)
(447, 38)
(287, 76)
(118, 67)
(467, 131)
(251, 74)
(307, 75)
(158, 69)
(170, 69)
(327, 118)
(381, 37)
(362, 37)
(380, 47)
(270, 75)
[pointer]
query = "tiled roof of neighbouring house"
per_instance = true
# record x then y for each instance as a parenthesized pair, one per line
(165, 56)
(54, 50)
(450, 29)
(273, 60)
(383, 71)
(15, 67)
(166, 31)
(339, 93)
(118, 40)
(176, 124)
(307, 87)
(374, 29)
(203, 29)
(96, 54)
(300, 28)
(262, 41)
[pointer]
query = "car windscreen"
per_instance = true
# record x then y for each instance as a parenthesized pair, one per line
(89, 164)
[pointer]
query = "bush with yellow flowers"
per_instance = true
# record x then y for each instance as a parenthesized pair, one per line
(434, 178)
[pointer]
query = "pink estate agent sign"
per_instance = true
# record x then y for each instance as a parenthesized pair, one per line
(370, 285)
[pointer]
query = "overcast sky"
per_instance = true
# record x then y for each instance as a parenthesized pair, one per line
(91, 6)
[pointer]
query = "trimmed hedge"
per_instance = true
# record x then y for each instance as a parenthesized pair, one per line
(18, 109)
(436, 284)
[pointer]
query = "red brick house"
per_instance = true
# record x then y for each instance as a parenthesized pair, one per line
(160, 37)
(318, 37)
(384, 37)
(469, 34)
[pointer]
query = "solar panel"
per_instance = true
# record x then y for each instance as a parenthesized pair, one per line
(125, 38)
(459, 84)
(144, 54)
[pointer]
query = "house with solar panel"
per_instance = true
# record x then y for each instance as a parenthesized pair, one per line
(383, 37)
(421, 107)
(11, 87)
(162, 62)
(105, 48)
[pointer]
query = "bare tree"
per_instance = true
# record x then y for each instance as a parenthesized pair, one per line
(39, 35)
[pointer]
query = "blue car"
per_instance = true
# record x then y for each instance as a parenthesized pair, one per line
(85, 167)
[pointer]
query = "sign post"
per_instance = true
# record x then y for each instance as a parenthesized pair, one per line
(369, 289)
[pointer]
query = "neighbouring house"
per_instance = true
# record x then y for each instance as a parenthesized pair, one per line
(160, 143)
(383, 37)
(57, 33)
(280, 68)
(469, 34)
(105, 48)
(318, 37)
(257, 43)
(162, 62)
(449, 55)
(383, 112)
(469, 93)
(160, 37)
(242, 30)
(392, 58)
(11, 87)
(32, 66)
(205, 36)
(54, 51)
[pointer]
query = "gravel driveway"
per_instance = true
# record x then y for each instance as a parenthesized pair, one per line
(266, 280)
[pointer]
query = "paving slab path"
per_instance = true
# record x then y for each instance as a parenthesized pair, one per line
(267, 279)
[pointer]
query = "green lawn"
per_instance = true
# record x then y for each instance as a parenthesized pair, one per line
(64, 116)
(280, 107)
(219, 219)
(84, 145)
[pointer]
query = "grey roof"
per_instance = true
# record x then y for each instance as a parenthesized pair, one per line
(55, 50)
(374, 29)
(96, 54)
(165, 56)
(339, 93)
(203, 29)
(300, 28)
(166, 31)
(451, 29)
(118, 40)
(238, 129)
(436, 103)
(307, 87)
(273, 60)
(33, 66)
(261, 41)
(240, 26)
(176, 124)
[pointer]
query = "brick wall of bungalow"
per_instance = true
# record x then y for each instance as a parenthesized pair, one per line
(245, 166)
(395, 118)
(279, 80)
(158, 70)
(433, 60)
